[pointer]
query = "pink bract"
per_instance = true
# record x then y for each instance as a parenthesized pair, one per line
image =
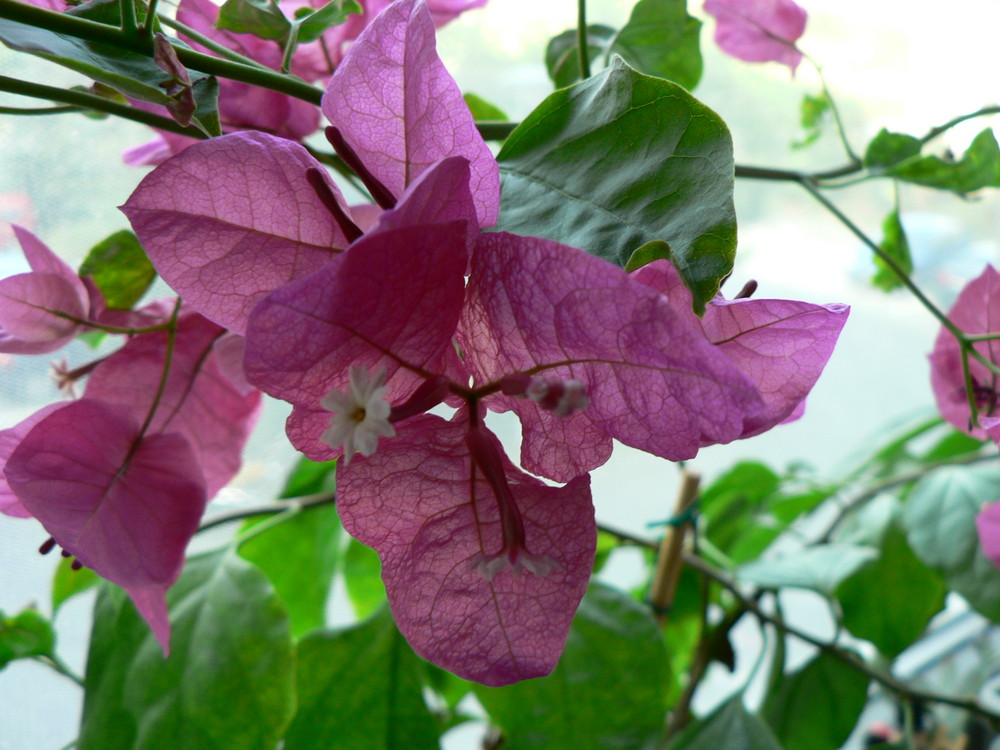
(988, 526)
(401, 111)
(125, 505)
(781, 346)
(759, 30)
(429, 512)
(34, 305)
(231, 219)
(976, 311)
(9, 440)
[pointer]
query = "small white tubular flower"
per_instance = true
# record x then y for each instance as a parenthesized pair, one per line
(360, 416)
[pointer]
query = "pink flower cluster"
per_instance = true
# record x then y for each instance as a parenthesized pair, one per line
(365, 320)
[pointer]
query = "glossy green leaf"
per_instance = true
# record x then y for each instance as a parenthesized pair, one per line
(820, 568)
(131, 73)
(620, 160)
(26, 634)
(897, 247)
(363, 578)
(607, 691)
(334, 13)
(978, 168)
(729, 727)
(300, 557)
(229, 683)
(562, 57)
(359, 689)
(661, 39)
(812, 115)
(891, 601)
(67, 583)
(887, 149)
(939, 519)
(655, 250)
(262, 18)
(120, 268)
(482, 109)
(817, 707)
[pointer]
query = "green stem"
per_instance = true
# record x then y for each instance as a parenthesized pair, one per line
(30, 111)
(146, 30)
(935, 132)
(130, 26)
(57, 664)
(266, 509)
(290, 45)
(838, 121)
(168, 358)
(84, 100)
(92, 31)
(583, 52)
(219, 49)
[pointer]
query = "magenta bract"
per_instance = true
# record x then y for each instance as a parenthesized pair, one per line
(431, 514)
(231, 219)
(401, 111)
(759, 30)
(976, 311)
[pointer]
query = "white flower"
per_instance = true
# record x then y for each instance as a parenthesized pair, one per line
(360, 415)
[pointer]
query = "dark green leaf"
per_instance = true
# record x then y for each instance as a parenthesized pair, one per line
(359, 689)
(897, 247)
(979, 167)
(67, 583)
(729, 727)
(482, 109)
(812, 113)
(661, 39)
(641, 256)
(300, 557)
(939, 519)
(262, 18)
(25, 634)
(736, 503)
(334, 13)
(229, 681)
(562, 57)
(618, 161)
(817, 707)
(820, 568)
(891, 601)
(887, 149)
(363, 578)
(120, 268)
(607, 691)
(131, 73)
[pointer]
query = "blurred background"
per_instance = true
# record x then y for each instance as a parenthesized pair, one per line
(887, 63)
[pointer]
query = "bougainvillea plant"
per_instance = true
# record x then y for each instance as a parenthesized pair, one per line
(337, 233)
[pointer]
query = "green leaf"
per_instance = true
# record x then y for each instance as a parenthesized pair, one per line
(562, 57)
(641, 256)
(482, 109)
(312, 25)
(581, 170)
(262, 18)
(817, 707)
(953, 444)
(979, 167)
(310, 478)
(729, 727)
(26, 634)
(300, 557)
(359, 689)
(939, 519)
(897, 247)
(120, 268)
(229, 681)
(613, 641)
(363, 578)
(820, 568)
(891, 601)
(131, 73)
(887, 149)
(736, 503)
(67, 583)
(661, 39)
(812, 114)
